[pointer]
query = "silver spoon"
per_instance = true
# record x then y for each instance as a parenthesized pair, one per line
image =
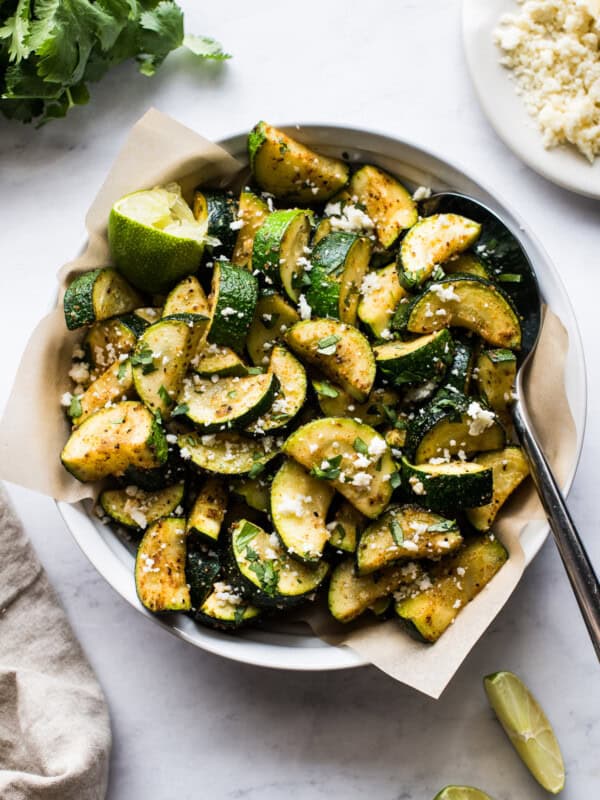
(501, 250)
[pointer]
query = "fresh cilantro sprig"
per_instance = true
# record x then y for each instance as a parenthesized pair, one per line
(331, 472)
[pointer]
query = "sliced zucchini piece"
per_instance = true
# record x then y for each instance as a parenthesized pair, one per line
(225, 609)
(105, 342)
(201, 571)
(341, 352)
(161, 359)
(346, 527)
(208, 511)
(448, 486)
(463, 301)
(234, 293)
(160, 578)
(381, 292)
(510, 468)
(385, 201)
(268, 575)
(172, 471)
(218, 210)
(425, 358)
(460, 371)
(113, 385)
(227, 453)
(136, 508)
(279, 249)
(252, 211)
(290, 170)
(466, 264)
(290, 394)
(339, 264)
(433, 241)
(299, 505)
(335, 402)
(228, 402)
(454, 582)
(272, 317)
(405, 532)
(350, 594)
(148, 314)
(126, 434)
(214, 359)
(188, 298)
(97, 295)
(353, 457)
(452, 425)
(255, 492)
(495, 375)
(395, 437)
(323, 228)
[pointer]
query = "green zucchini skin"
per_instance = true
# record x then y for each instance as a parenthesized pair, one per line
(496, 375)
(510, 468)
(220, 210)
(172, 471)
(272, 318)
(206, 516)
(223, 615)
(214, 456)
(380, 300)
(234, 297)
(160, 578)
(201, 571)
(459, 373)
(448, 487)
(290, 394)
(122, 504)
(252, 210)
(87, 298)
(424, 359)
(272, 251)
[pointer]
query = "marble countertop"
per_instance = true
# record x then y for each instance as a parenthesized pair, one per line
(188, 724)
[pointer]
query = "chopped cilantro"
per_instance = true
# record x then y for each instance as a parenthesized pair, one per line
(144, 358)
(510, 277)
(396, 531)
(256, 469)
(330, 473)
(75, 409)
(327, 345)
(255, 371)
(245, 536)
(122, 371)
(360, 446)
(180, 410)
(395, 480)
(165, 396)
(325, 389)
(443, 526)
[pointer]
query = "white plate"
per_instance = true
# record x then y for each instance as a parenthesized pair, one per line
(293, 646)
(506, 111)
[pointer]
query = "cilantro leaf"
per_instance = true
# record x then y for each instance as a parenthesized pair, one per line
(329, 473)
(205, 47)
(180, 410)
(397, 532)
(360, 446)
(245, 536)
(75, 409)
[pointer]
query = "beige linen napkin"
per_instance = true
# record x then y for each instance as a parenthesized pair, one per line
(54, 726)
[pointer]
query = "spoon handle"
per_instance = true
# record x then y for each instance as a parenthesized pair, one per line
(584, 581)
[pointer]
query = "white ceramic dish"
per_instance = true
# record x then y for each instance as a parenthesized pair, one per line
(293, 646)
(506, 111)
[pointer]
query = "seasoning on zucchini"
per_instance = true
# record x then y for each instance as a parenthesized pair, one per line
(496, 372)
(160, 577)
(425, 358)
(509, 468)
(279, 249)
(272, 318)
(345, 527)
(113, 385)
(252, 212)
(381, 292)
(290, 393)
(227, 453)
(136, 508)
(201, 571)
(215, 359)
(208, 511)
(98, 295)
(449, 484)
(335, 402)
(107, 341)
(385, 201)
(219, 211)
(234, 293)
(225, 609)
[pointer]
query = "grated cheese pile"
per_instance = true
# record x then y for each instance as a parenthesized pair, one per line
(552, 46)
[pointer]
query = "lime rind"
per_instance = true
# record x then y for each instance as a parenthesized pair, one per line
(461, 793)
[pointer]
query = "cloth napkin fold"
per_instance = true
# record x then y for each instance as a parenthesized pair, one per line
(54, 725)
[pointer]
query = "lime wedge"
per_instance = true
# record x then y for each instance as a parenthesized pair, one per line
(461, 793)
(528, 729)
(154, 238)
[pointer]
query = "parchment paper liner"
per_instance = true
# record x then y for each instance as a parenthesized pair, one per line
(34, 429)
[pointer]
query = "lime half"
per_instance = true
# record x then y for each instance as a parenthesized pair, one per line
(154, 238)
(461, 793)
(528, 728)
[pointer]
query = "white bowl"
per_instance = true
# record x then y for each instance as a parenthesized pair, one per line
(293, 646)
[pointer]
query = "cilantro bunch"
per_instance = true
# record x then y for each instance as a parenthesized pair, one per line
(50, 50)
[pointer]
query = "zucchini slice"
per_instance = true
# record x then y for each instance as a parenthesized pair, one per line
(353, 457)
(272, 317)
(339, 264)
(105, 342)
(161, 359)
(335, 402)
(208, 512)
(227, 453)
(171, 471)
(279, 249)
(255, 492)
(509, 468)
(346, 527)
(228, 402)
(381, 292)
(160, 578)
(225, 609)
(290, 394)
(385, 201)
(201, 571)
(233, 297)
(452, 425)
(425, 358)
(459, 373)
(463, 301)
(350, 594)
(299, 505)
(266, 573)
(252, 211)
(290, 170)
(219, 211)
(213, 359)
(403, 533)
(496, 373)
(113, 385)
(136, 508)
(148, 314)
(126, 434)
(323, 228)
(466, 264)
(97, 295)
(395, 436)
(433, 241)
(450, 485)
(454, 582)
(341, 352)
(188, 299)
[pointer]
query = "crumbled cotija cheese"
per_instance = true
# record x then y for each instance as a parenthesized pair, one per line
(552, 48)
